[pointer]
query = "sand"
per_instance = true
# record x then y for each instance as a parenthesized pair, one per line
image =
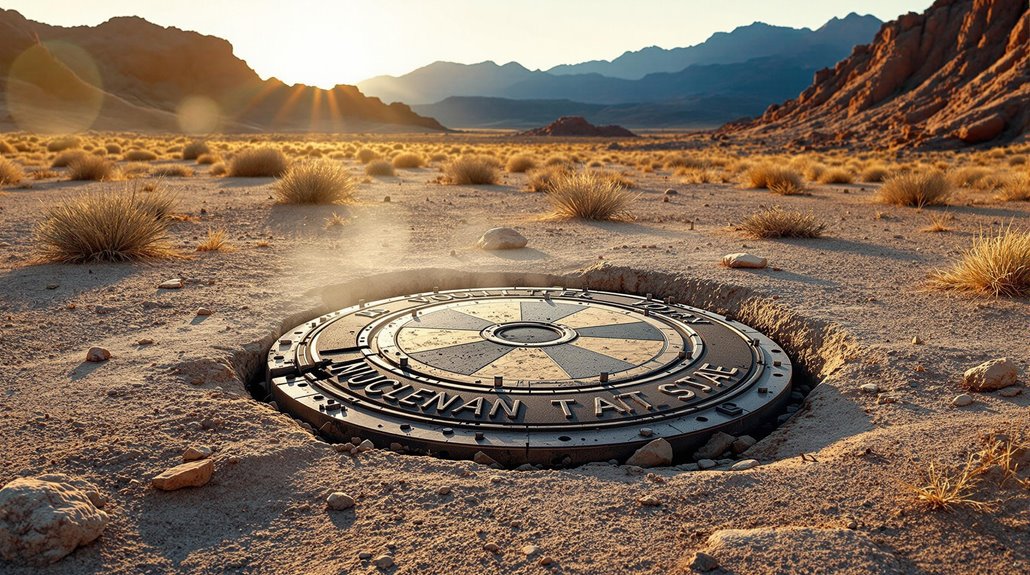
(847, 306)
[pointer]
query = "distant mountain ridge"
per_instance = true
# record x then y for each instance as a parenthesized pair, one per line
(144, 72)
(753, 65)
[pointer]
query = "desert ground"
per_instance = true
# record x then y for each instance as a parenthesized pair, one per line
(881, 348)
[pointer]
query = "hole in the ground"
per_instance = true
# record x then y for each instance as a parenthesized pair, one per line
(418, 375)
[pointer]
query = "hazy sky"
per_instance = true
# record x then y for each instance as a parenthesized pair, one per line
(328, 42)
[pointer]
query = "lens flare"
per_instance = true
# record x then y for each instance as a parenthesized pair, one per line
(54, 87)
(198, 115)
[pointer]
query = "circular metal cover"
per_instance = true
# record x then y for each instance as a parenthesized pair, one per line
(527, 375)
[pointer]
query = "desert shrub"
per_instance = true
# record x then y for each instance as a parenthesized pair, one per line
(379, 168)
(689, 162)
(136, 170)
(967, 177)
(589, 195)
(997, 264)
(779, 223)
(218, 169)
(214, 242)
(62, 144)
(439, 157)
(10, 173)
(6, 149)
(557, 161)
(916, 189)
(408, 160)
(472, 170)
(207, 159)
(520, 163)
(813, 171)
(836, 176)
(541, 180)
(1015, 189)
(321, 182)
(92, 168)
(873, 174)
(113, 148)
(173, 172)
(102, 227)
(257, 163)
(139, 156)
(194, 150)
(617, 177)
(775, 178)
(1013, 161)
(67, 157)
(42, 174)
(366, 155)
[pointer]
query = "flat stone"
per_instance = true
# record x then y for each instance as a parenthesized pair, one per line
(716, 446)
(744, 465)
(705, 463)
(744, 260)
(657, 452)
(703, 562)
(530, 550)
(44, 519)
(170, 284)
(97, 355)
(192, 474)
(338, 501)
(197, 453)
(443, 490)
(991, 375)
(502, 239)
(1010, 391)
(799, 550)
(962, 400)
(365, 445)
(483, 459)
(869, 388)
(383, 562)
(649, 501)
(742, 444)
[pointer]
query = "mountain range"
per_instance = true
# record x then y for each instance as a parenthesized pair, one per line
(128, 73)
(744, 70)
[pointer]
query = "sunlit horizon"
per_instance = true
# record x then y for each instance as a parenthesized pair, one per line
(328, 43)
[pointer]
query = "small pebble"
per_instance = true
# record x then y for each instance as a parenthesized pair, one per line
(339, 500)
(97, 355)
(869, 388)
(204, 311)
(962, 400)
(383, 562)
(492, 548)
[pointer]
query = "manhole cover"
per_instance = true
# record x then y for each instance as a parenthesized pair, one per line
(537, 375)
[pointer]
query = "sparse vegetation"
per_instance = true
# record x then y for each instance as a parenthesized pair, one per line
(997, 264)
(318, 182)
(10, 172)
(214, 242)
(589, 195)
(938, 223)
(780, 180)
(520, 163)
(915, 189)
(62, 144)
(379, 169)
(1015, 189)
(257, 163)
(779, 223)
(139, 156)
(542, 179)
(836, 176)
(173, 172)
(472, 170)
(67, 157)
(102, 227)
(408, 160)
(874, 174)
(92, 168)
(194, 150)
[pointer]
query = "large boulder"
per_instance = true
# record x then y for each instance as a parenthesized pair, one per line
(991, 375)
(984, 130)
(43, 519)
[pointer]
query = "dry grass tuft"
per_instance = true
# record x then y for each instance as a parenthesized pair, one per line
(61, 144)
(946, 489)
(67, 157)
(874, 174)
(10, 173)
(938, 223)
(318, 182)
(472, 170)
(173, 172)
(92, 168)
(542, 180)
(836, 176)
(194, 150)
(139, 156)
(379, 168)
(103, 227)
(218, 169)
(780, 180)
(1015, 189)
(520, 163)
(215, 242)
(915, 189)
(6, 149)
(365, 155)
(779, 223)
(589, 195)
(408, 160)
(208, 159)
(996, 264)
(335, 220)
(257, 163)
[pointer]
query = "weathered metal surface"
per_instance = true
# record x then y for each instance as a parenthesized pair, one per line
(538, 375)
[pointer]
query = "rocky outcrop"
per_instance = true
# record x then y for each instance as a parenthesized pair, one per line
(145, 74)
(955, 75)
(579, 127)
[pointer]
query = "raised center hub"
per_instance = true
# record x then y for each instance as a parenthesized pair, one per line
(539, 375)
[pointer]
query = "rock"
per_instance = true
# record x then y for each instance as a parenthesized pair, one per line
(364, 555)
(530, 550)
(52, 286)
(97, 355)
(365, 445)
(916, 340)
(742, 444)
(492, 548)
(383, 562)
(984, 130)
(962, 400)
(869, 388)
(703, 562)
(705, 463)
(483, 459)
(104, 310)
(991, 375)
(545, 560)
(646, 432)
(671, 192)
(502, 239)
(649, 501)
(744, 260)
(578, 126)
(203, 311)
(526, 467)
(799, 550)
(338, 501)
(170, 284)
(443, 490)
(43, 519)
(744, 465)
(197, 453)
(192, 474)
(1010, 391)
(145, 341)
(657, 452)
(716, 446)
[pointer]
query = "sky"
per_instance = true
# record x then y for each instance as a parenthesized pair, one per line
(324, 42)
